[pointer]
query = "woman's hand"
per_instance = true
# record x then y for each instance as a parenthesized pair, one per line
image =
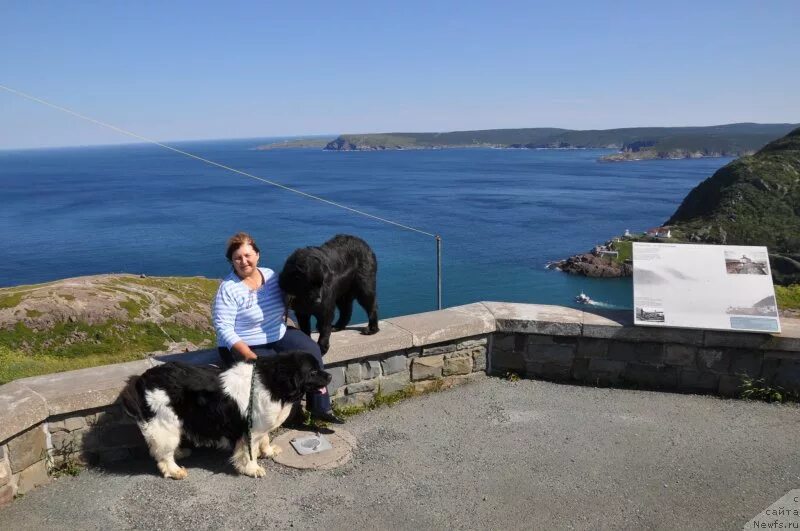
(244, 351)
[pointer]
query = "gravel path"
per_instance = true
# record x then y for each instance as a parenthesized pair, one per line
(493, 454)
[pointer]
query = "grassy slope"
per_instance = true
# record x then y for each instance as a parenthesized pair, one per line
(137, 316)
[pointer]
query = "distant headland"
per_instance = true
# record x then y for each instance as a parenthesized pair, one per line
(634, 143)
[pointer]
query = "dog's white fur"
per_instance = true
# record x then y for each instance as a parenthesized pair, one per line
(163, 432)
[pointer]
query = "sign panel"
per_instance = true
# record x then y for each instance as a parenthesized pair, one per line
(719, 287)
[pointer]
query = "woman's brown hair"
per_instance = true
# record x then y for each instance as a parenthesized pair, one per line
(236, 241)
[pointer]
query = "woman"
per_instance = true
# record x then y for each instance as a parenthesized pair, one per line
(249, 314)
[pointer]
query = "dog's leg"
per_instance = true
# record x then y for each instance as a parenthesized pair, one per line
(163, 438)
(244, 461)
(267, 449)
(369, 302)
(304, 322)
(345, 313)
(325, 328)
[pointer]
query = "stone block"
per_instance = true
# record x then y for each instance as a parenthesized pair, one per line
(74, 423)
(747, 363)
(720, 339)
(457, 365)
(453, 381)
(606, 367)
(337, 379)
(651, 377)
(580, 369)
(82, 389)
(351, 344)
(698, 381)
(438, 349)
(394, 383)
(505, 360)
(556, 354)
(427, 367)
(394, 364)
(56, 426)
(20, 408)
(5, 472)
(353, 373)
(729, 386)
(549, 370)
(769, 368)
(361, 387)
(62, 440)
(470, 343)
(713, 360)
(680, 355)
(371, 369)
(455, 323)
(640, 353)
(27, 448)
(428, 386)
(788, 375)
(32, 477)
(356, 400)
(6, 495)
(536, 318)
(479, 359)
(415, 352)
(592, 348)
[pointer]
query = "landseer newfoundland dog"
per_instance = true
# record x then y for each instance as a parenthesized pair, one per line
(321, 279)
(206, 406)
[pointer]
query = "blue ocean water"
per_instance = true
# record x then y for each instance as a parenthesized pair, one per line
(502, 214)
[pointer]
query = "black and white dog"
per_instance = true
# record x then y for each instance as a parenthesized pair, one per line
(322, 279)
(208, 406)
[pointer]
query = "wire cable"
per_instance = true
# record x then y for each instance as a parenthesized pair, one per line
(211, 162)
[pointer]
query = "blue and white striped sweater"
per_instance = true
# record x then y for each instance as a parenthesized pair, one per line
(252, 316)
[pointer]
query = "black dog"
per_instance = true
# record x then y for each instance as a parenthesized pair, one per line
(324, 278)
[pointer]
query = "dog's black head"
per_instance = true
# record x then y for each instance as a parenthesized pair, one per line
(304, 275)
(291, 375)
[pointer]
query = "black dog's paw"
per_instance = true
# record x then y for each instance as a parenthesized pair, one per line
(369, 331)
(324, 346)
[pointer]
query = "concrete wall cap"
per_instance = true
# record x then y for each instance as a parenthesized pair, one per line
(351, 344)
(445, 325)
(21, 408)
(82, 389)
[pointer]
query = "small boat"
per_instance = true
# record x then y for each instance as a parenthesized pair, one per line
(583, 298)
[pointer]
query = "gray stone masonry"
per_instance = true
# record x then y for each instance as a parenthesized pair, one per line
(427, 367)
(75, 413)
(27, 448)
(394, 364)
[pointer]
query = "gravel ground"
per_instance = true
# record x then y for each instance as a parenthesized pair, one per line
(493, 454)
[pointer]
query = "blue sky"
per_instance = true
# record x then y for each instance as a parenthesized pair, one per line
(198, 70)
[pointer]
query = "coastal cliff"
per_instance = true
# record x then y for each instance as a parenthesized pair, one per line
(637, 143)
(754, 200)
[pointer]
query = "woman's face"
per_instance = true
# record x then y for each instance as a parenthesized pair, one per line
(245, 260)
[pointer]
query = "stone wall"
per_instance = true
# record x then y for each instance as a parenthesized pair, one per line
(74, 416)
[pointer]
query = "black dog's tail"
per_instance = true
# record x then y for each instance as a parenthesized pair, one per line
(132, 398)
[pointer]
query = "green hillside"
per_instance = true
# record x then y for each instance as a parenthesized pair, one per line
(754, 200)
(643, 142)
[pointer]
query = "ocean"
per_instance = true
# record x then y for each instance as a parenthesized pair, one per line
(502, 214)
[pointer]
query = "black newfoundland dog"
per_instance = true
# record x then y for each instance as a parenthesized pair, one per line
(321, 279)
(177, 402)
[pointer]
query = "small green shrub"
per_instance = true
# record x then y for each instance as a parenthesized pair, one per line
(757, 389)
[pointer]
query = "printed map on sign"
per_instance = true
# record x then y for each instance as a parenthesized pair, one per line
(721, 287)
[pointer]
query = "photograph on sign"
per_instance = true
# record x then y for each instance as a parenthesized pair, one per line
(718, 287)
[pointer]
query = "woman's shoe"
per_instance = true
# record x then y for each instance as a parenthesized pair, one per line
(326, 416)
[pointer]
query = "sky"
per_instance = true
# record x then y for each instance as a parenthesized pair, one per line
(206, 70)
